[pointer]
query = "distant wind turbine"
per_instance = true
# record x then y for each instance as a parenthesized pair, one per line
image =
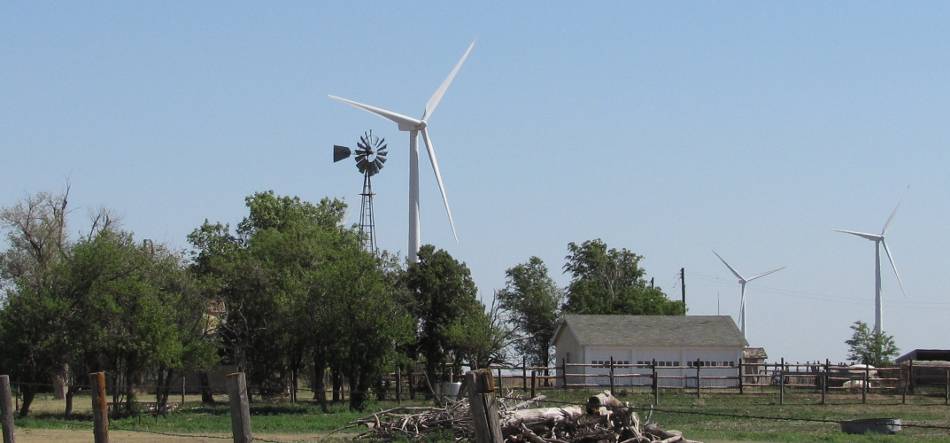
(414, 127)
(742, 283)
(878, 240)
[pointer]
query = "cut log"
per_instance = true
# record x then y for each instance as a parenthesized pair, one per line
(542, 415)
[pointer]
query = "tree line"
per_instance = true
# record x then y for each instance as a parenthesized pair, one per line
(287, 294)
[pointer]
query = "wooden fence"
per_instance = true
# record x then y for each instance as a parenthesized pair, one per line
(696, 378)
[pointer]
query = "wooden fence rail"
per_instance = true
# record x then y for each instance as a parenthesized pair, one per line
(782, 377)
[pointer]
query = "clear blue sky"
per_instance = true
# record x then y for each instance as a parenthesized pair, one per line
(669, 129)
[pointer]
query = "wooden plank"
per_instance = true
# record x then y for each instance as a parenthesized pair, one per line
(483, 408)
(398, 385)
(6, 409)
(100, 407)
(240, 410)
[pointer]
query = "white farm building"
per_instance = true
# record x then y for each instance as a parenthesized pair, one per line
(677, 343)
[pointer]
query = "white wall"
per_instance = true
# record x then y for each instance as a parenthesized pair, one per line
(665, 357)
(567, 348)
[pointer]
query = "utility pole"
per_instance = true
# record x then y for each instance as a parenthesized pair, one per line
(683, 287)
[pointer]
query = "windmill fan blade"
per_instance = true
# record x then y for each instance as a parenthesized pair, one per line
(765, 273)
(378, 164)
(361, 165)
(734, 272)
(890, 218)
(405, 123)
(438, 178)
(437, 95)
(859, 234)
(381, 158)
(894, 267)
(340, 152)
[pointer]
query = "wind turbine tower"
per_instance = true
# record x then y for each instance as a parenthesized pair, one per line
(414, 127)
(879, 242)
(742, 283)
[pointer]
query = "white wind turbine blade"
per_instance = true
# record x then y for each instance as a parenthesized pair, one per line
(405, 123)
(890, 218)
(734, 272)
(437, 95)
(438, 178)
(893, 266)
(765, 273)
(874, 237)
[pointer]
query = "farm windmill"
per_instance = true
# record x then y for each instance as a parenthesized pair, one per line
(742, 283)
(370, 158)
(414, 127)
(879, 242)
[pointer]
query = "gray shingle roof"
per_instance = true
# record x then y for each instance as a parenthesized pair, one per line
(654, 330)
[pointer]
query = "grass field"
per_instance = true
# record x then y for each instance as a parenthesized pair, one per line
(708, 419)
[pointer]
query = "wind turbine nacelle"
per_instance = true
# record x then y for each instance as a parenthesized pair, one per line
(411, 126)
(340, 153)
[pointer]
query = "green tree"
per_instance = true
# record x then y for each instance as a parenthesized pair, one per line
(31, 340)
(532, 299)
(478, 338)
(263, 274)
(869, 347)
(447, 311)
(297, 286)
(131, 300)
(611, 281)
(34, 344)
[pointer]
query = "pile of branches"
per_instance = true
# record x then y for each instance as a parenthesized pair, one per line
(413, 423)
(604, 419)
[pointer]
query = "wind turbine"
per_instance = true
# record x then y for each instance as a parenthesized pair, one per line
(742, 283)
(878, 240)
(414, 127)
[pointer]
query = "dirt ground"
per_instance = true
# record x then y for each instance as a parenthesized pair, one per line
(64, 436)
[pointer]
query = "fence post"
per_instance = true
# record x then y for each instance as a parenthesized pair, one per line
(412, 386)
(524, 373)
(946, 388)
(501, 385)
(533, 381)
(100, 407)
(864, 389)
(656, 383)
(564, 373)
(398, 385)
(698, 380)
(739, 374)
(484, 411)
(240, 411)
(903, 385)
(183, 392)
(781, 383)
(611, 375)
(910, 376)
(825, 379)
(6, 409)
